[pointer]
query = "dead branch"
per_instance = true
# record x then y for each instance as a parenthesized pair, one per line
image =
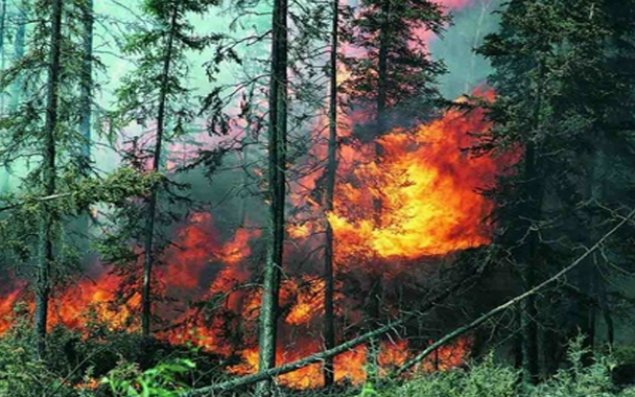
(480, 320)
(320, 357)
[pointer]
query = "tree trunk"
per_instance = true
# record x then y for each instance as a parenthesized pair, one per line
(146, 296)
(331, 171)
(3, 19)
(534, 192)
(86, 83)
(382, 102)
(4, 182)
(382, 67)
(590, 280)
(277, 166)
(45, 260)
(18, 54)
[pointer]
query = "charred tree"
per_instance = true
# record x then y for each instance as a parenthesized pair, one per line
(276, 192)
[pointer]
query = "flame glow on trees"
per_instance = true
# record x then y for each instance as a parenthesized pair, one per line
(428, 184)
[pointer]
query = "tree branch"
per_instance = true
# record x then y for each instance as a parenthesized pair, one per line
(480, 320)
(320, 357)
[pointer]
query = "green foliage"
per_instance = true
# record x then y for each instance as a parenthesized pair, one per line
(389, 30)
(482, 379)
(21, 375)
(164, 380)
(487, 378)
(578, 380)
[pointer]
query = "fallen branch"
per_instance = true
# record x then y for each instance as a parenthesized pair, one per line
(462, 330)
(320, 357)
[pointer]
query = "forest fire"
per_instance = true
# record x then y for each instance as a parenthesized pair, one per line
(428, 186)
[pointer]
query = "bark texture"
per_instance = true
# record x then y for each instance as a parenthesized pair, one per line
(268, 322)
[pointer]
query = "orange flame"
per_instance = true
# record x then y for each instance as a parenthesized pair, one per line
(428, 187)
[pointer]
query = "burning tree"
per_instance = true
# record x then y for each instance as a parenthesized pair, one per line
(157, 91)
(44, 117)
(322, 216)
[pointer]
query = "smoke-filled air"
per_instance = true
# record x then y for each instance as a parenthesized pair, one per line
(352, 198)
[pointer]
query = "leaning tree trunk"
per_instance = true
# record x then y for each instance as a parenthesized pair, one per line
(277, 166)
(45, 259)
(331, 170)
(146, 293)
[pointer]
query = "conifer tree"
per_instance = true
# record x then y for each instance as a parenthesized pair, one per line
(44, 118)
(556, 99)
(157, 90)
(394, 70)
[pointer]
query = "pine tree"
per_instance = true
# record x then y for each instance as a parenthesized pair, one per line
(49, 176)
(44, 119)
(157, 91)
(555, 95)
(394, 71)
(395, 77)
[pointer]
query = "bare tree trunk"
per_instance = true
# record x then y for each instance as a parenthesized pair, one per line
(277, 165)
(45, 260)
(529, 316)
(331, 172)
(146, 294)
(4, 182)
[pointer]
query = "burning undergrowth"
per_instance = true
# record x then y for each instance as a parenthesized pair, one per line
(428, 184)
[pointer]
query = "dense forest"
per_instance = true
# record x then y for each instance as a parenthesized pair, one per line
(408, 198)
